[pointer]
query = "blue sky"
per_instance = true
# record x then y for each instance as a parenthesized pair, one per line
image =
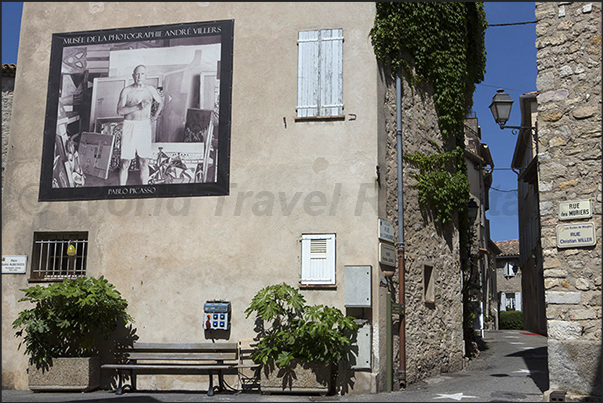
(511, 65)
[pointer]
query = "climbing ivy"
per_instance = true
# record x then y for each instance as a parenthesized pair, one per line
(441, 181)
(445, 42)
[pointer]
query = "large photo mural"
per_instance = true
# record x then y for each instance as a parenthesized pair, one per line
(139, 112)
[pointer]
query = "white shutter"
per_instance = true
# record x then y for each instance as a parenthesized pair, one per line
(318, 259)
(518, 301)
(320, 73)
(503, 302)
(308, 95)
(331, 72)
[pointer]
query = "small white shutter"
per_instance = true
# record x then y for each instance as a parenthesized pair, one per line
(320, 73)
(518, 301)
(318, 259)
(503, 302)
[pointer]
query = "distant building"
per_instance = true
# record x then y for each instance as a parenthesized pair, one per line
(508, 276)
(479, 173)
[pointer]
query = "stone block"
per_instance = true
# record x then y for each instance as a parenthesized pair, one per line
(563, 330)
(66, 374)
(572, 367)
(563, 297)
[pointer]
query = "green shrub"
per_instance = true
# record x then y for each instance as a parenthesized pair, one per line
(511, 320)
(68, 317)
(291, 330)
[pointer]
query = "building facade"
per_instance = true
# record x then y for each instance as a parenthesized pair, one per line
(265, 180)
(525, 163)
(508, 277)
(569, 190)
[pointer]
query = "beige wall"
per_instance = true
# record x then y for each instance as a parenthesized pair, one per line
(168, 256)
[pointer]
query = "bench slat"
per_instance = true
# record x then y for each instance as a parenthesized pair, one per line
(185, 346)
(167, 366)
(153, 355)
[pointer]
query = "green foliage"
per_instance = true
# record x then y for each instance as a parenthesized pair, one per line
(291, 330)
(511, 320)
(446, 43)
(68, 317)
(442, 182)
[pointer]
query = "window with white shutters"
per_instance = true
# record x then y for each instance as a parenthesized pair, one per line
(320, 73)
(318, 259)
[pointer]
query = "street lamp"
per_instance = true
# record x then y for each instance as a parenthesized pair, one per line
(501, 110)
(473, 209)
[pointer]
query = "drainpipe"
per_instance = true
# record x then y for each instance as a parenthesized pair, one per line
(402, 369)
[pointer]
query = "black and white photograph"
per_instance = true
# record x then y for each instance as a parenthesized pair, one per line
(139, 112)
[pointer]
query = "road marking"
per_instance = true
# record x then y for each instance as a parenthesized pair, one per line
(516, 342)
(455, 396)
(527, 371)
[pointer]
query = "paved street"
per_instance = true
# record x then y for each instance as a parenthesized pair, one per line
(512, 368)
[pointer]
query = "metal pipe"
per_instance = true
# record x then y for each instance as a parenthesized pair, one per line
(389, 343)
(402, 369)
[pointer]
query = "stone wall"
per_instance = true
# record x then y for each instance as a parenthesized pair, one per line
(569, 131)
(434, 332)
(8, 86)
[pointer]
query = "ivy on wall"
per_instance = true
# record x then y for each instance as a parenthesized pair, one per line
(445, 41)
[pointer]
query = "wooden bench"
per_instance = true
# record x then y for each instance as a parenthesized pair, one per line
(174, 358)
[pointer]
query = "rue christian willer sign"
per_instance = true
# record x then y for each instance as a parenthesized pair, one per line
(576, 235)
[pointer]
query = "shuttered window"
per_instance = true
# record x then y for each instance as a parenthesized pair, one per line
(318, 259)
(320, 73)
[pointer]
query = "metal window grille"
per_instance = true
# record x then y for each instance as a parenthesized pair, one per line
(50, 260)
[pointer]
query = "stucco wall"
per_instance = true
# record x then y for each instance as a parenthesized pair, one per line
(168, 256)
(569, 132)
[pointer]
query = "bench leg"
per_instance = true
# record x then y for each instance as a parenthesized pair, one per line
(221, 381)
(121, 386)
(210, 390)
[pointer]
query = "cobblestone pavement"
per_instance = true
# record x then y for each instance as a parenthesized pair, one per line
(512, 368)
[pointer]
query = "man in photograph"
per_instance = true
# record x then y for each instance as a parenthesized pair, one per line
(134, 104)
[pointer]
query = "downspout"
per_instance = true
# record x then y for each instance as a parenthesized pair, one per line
(402, 369)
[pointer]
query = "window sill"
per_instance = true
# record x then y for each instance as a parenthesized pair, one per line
(319, 118)
(319, 286)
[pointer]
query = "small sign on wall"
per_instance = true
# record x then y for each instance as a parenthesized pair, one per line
(14, 264)
(575, 209)
(386, 231)
(576, 235)
(387, 254)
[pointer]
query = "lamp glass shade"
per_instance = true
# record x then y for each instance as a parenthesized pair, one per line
(71, 250)
(501, 107)
(473, 210)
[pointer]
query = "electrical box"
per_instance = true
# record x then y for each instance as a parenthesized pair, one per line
(361, 349)
(357, 286)
(217, 315)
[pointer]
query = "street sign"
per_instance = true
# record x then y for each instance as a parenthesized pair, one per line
(576, 235)
(386, 231)
(14, 264)
(575, 209)
(387, 254)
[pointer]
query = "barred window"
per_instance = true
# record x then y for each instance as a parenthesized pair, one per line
(50, 260)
